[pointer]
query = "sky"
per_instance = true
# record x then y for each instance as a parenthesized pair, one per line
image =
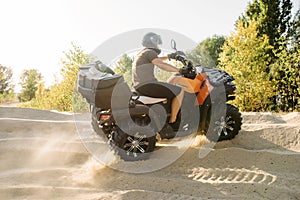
(35, 34)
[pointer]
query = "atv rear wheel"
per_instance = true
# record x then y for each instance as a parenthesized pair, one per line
(135, 146)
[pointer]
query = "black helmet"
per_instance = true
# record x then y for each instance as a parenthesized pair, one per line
(151, 40)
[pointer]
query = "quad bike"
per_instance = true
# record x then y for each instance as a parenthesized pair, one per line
(132, 123)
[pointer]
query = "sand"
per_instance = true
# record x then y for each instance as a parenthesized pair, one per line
(43, 157)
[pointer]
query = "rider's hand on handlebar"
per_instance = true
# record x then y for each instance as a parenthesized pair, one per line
(183, 71)
(181, 59)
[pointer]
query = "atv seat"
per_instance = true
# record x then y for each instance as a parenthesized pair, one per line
(151, 100)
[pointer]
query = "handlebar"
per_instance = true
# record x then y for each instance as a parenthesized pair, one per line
(188, 70)
(181, 57)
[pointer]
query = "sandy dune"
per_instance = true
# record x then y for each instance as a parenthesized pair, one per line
(42, 157)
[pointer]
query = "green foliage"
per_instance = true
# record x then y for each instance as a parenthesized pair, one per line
(63, 91)
(294, 32)
(274, 68)
(62, 95)
(5, 79)
(273, 17)
(245, 57)
(29, 81)
(41, 100)
(207, 52)
(124, 66)
(8, 97)
(79, 103)
(286, 73)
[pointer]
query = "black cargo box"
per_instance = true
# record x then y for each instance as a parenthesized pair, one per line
(96, 83)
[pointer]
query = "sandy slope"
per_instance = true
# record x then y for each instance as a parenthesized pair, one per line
(42, 157)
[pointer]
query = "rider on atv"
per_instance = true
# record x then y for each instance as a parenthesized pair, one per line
(143, 79)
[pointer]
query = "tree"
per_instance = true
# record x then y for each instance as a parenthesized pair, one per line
(124, 66)
(63, 93)
(273, 17)
(245, 57)
(29, 82)
(208, 51)
(62, 96)
(294, 32)
(286, 73)
(5, 79)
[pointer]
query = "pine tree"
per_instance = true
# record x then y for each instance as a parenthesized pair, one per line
(294, 32)
(273, 17)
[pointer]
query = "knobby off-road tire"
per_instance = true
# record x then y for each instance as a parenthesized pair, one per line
(96, 127)
(225, 128)
(137, 145)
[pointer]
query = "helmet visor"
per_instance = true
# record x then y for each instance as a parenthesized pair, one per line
(156, 40)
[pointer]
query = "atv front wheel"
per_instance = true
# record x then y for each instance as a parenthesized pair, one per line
(226, 127)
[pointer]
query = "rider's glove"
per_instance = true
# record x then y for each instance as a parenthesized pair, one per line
(183, 71)
(172, 56)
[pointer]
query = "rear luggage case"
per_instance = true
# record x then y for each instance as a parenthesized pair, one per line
(96, 83)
